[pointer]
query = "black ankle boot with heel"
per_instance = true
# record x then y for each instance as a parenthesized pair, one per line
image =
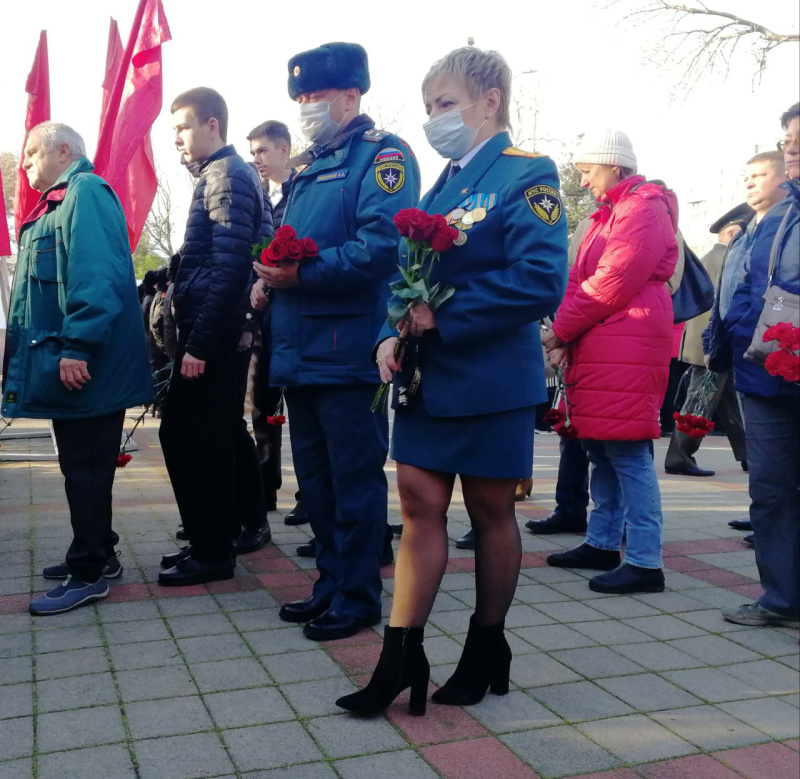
(402, 664)
(485, 664)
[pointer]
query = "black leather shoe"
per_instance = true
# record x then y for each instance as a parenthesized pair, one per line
(750, 540)
(397, 530)
(297, 516)
(387, 554)
(585, 556)
(628, 579)
(252, 540)
(168, 560)
(556, 523)
(693, 471)
(181, 534)
(303, 610)
(332, 626)
(741, 524)
(307, 550)
(744, 466)
(191, 571)
(467, 541)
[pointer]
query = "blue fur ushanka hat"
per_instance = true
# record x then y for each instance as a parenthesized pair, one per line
(331, 66)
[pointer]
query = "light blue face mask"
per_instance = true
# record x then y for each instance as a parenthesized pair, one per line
(316, 123)
(449, 136)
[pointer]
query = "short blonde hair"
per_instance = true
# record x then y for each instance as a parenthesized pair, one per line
(480, 71)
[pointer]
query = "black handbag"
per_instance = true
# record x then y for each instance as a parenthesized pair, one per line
(695, 294)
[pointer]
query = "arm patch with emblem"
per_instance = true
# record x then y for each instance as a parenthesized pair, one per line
(545, 203)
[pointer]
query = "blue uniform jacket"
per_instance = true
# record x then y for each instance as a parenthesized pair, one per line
(748, 302)
(486, 355)
(323, 331)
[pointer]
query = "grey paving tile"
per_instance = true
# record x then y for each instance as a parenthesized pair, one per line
(154, 683)
(17, 738)
(134, 632)
(134, 611)
(718, 597)
(243, 601)
(767, 641)
(458, 581)
(580, 701)
(452, 621)
(230, 675)
(446, 602)
(681, 581)
(611, 632)
(774, 717)
(15, 644)
(534, 594)
(182, 757)
(17, 769)
(182, 607)
(791, 661)
(204, 648)
(570, 612)
(522, 616)
(258, 619)
(712, 621)
(16, 669)
(657, 656)
(199, 625)
(271, 746)
(61, 639)
(671, 602)
(338, 737)
(304, 771)
(578, 590)
(664, 627)
(75, 692)
(443, 649)
(767, 675)
(406, 764)
(648, 692)
(712, 685)
(792, 700)
(15, 623)
(559, 751)
(151, 654)
(93, 763)
(636, 739)
(708, 727)
(550, 575)
(537, 670)
(596, 662)
(169, 717)
(624, 607)
(277, 641)
(257, 706)
(66, 730)
(515, 711)
(317, 698)
(301, 667)
(16, 700)
(72, 663)
(550, 637)
(714, 650)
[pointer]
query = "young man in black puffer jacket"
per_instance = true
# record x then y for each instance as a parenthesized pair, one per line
(207, 449)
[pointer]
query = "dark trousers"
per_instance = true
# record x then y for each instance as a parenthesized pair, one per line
(264, 401)
(340, 448)
(87, 454)
(773, 447)
(572, 488)
(676, 371)
(725, 405)
(210, 456)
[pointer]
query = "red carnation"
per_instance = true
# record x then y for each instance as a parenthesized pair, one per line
(553, 417)
(310, 249)
(567, 431)
(285, 233)
(278, 419)
(402, 220)
(123, 460)
(294, 250)
(784, 364)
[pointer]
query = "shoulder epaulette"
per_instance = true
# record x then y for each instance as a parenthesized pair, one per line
(375, 135)
(513, 151)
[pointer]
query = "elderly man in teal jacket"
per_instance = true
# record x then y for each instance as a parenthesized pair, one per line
(326, 313)
(75, 347)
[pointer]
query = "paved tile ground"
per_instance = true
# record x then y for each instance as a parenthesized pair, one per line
(208, 682)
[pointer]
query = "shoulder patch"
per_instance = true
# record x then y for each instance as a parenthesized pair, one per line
(513, 151)
(389, 154)
(375, 135)
(545, 202)
(390, 176)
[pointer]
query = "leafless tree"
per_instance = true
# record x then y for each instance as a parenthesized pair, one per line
(8, 168)
(705, 39)
(159, 222)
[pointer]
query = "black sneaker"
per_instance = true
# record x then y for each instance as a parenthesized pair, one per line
(585, 556)
(113, 569)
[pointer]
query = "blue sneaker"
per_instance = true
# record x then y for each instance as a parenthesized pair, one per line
(68, 596)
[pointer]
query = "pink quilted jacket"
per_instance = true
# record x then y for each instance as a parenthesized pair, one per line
(617, 317)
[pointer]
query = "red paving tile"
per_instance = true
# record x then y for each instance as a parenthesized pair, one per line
(461, 565)
(617, 773)
(684, 564)
(283, 579)
(534, 559)
(723, 545)
(14, 604)
(177, 592)
(360, 638)
(695, 767)
(237, 584)
(440, 723)
(288, 594)
(267, 564)
(533, 512)
(355, 658)
(753, 591)
(126, 593)
(765, 761)
(721, 578)
(477, 758)
(793, 744)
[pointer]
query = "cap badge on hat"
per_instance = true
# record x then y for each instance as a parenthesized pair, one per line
(297, 70)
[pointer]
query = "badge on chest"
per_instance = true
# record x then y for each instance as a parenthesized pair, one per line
(470, 212)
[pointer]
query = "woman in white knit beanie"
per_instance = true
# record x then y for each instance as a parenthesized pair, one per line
(613, 338)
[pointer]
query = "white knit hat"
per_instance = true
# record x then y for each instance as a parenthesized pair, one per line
(606, 147)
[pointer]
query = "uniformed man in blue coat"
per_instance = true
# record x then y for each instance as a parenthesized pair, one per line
(326, 314)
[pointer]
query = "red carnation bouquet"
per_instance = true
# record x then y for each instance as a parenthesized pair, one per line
(161, 379)
(557, 418)
(284, 247)
(278, 418)
(694, 418)
(785, 360)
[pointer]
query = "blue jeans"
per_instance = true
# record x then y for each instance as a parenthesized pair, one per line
(624, 488)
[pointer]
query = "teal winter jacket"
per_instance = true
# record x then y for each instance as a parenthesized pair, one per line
(74, 296)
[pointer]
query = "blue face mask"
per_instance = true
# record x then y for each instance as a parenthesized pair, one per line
(449, 136)
(316, 123)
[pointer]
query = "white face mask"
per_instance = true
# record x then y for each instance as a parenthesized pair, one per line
(316, 123)
(448, 134)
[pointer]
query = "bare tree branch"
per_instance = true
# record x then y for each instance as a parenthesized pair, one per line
(160, 219)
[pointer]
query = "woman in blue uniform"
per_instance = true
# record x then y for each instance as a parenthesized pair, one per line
(482, 374)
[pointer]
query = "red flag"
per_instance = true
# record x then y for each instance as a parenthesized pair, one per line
(5, 238)
(38, 89)
(113, 61)
(124, 156)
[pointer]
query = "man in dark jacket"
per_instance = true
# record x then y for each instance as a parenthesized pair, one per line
(771, 403)
(206, 445)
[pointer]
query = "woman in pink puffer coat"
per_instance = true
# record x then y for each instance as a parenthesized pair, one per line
(613, 337)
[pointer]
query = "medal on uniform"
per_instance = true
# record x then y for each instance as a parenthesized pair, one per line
(461, 240)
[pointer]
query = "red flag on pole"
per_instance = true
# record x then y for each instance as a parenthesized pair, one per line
(113, 61)
(5, 238)
(124, 156)
(38, 89)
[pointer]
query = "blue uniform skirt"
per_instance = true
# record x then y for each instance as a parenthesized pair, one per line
(494, 446)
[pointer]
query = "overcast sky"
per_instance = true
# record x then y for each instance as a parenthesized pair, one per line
(593, 68)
